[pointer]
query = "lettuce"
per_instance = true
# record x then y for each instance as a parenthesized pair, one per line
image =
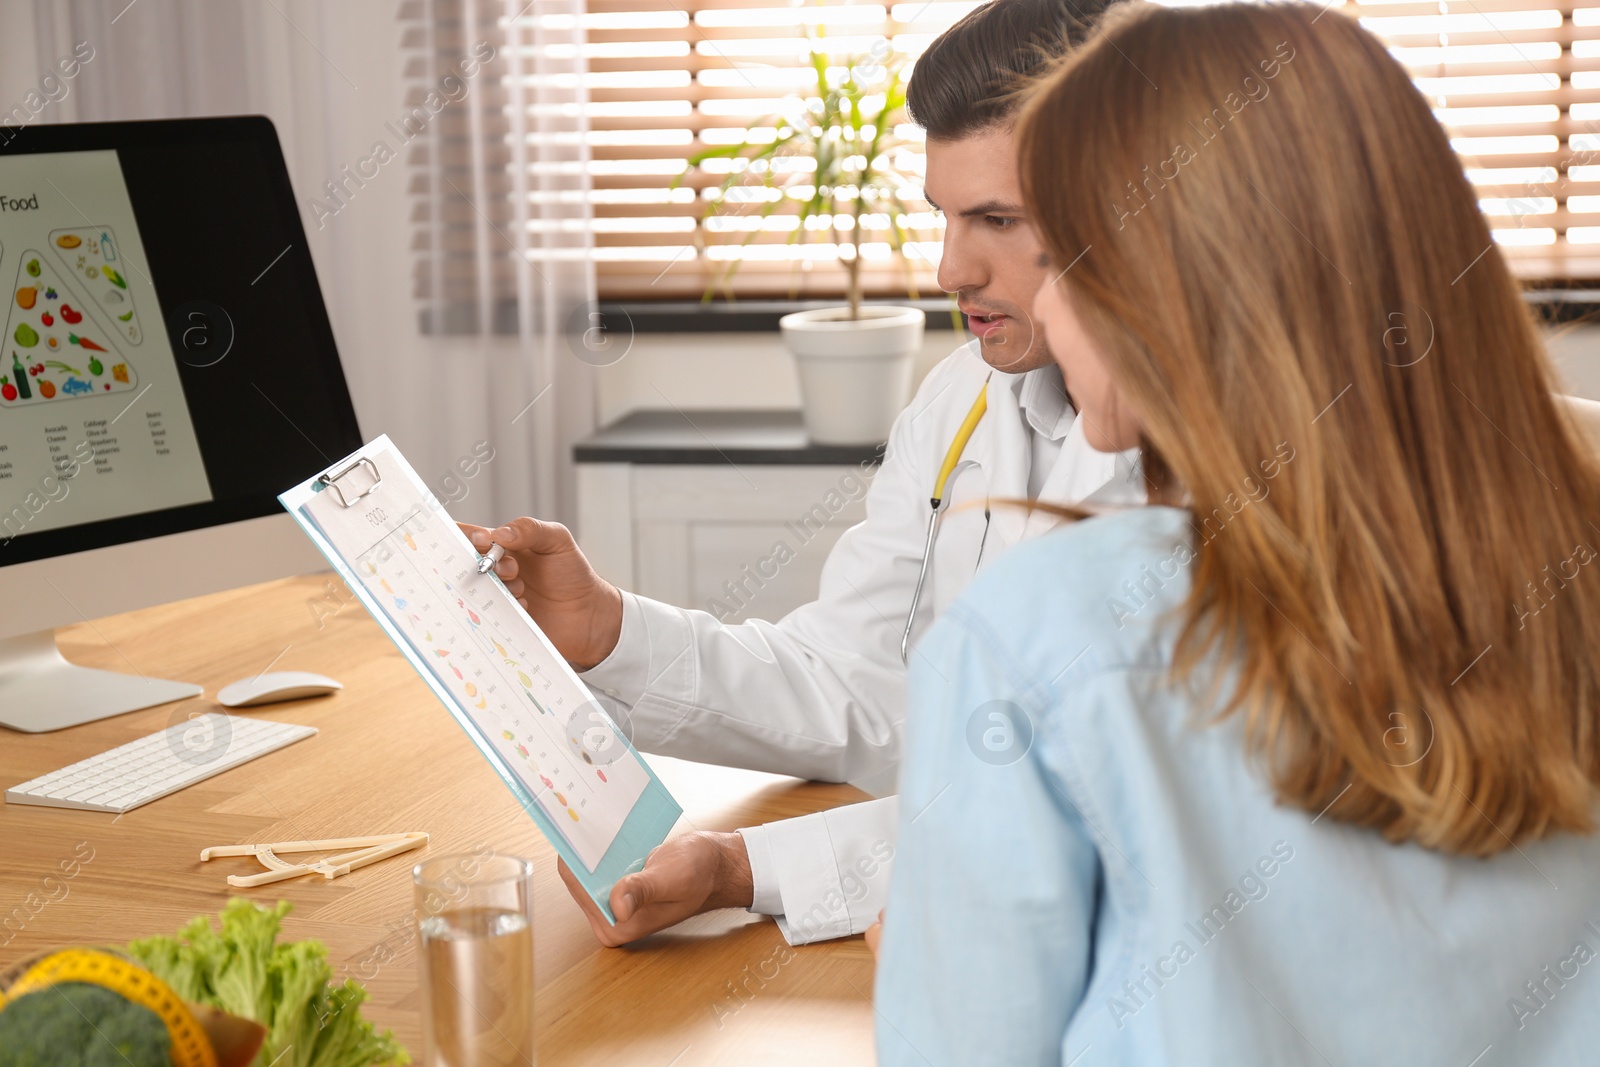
(287, 988)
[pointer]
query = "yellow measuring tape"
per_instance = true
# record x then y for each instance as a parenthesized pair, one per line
(190, 1046)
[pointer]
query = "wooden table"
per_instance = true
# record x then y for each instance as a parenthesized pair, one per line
(390, 759)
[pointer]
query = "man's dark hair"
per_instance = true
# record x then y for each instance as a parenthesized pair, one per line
(967, 79)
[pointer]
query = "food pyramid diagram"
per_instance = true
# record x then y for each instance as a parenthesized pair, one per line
(53, 350)
(89, 253)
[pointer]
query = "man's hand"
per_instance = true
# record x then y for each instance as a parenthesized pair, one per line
(551, 578)
(689, 874)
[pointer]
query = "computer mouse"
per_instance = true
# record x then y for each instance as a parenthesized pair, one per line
(271, 688)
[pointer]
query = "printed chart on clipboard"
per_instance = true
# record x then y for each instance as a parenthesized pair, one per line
(551, 742)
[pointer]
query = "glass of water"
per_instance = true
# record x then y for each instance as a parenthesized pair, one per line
(475, 930)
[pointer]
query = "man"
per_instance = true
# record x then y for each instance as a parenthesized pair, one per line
(821, 694)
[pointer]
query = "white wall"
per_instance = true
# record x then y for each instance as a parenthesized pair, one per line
(721, 370)
(1575, 351)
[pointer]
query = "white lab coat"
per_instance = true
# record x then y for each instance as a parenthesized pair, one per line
(820, 694)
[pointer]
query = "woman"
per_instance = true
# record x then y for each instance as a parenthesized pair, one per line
(1304, 768)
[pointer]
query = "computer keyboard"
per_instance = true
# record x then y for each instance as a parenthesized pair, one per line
(138, 772)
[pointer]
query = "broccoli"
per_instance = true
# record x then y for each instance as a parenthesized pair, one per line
(74, 1024)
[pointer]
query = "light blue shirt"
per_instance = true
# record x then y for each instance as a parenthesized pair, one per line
(1086, 876)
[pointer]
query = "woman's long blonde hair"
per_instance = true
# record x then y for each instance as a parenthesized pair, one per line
(1274, 247)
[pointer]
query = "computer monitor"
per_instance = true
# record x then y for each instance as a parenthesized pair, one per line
(166, 369)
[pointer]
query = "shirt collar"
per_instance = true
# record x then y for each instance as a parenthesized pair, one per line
(1042, 396)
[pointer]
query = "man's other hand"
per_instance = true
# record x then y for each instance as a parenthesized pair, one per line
(685, 876)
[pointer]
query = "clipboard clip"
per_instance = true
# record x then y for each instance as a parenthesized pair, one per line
(331, 479)
(368, 850)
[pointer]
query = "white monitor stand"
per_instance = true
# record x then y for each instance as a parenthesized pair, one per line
(41, 691)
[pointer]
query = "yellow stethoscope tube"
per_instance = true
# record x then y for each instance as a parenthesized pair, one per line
(952, 456)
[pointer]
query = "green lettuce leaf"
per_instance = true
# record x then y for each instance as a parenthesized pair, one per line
(287, 988)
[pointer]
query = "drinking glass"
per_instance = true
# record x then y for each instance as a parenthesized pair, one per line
(475, 930)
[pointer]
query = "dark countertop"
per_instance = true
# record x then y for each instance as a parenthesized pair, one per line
(708, 437)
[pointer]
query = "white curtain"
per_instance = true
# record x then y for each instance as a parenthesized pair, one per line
(337, 80)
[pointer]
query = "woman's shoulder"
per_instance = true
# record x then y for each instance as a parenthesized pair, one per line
(1105, 583)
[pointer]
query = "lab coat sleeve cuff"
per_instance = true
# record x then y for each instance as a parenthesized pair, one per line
(765, 900)
(652, 633)
(832, 869)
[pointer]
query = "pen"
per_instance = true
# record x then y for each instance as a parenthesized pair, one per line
(495, 554)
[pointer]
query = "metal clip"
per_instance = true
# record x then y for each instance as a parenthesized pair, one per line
(331, 481)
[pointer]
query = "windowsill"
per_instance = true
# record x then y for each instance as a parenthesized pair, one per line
(743, 316)
(1561, 306)
(1556, 306)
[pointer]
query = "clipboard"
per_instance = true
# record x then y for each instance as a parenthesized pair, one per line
(550, 741)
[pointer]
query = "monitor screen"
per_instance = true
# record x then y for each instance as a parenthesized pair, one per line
(167, 362)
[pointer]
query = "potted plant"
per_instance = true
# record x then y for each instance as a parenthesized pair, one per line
(832, 163)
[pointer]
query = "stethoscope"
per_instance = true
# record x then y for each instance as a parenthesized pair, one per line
(952, 457)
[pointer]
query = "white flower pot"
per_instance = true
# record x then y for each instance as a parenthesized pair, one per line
(855, 374)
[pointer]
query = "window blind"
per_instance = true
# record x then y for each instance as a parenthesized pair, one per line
(666, 83)
(1516, 84)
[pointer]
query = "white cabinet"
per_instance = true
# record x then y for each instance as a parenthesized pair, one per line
(721, 511)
